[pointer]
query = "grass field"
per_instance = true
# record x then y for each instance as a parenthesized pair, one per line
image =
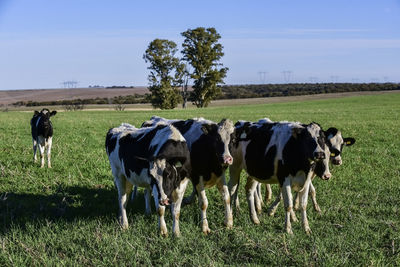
(67, 215)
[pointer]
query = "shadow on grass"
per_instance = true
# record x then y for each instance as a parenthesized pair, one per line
(68, 203)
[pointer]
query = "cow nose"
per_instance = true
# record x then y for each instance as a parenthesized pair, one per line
(228, 160)
(164, 202)
(337, 162)
(326, 176)
(319, 155)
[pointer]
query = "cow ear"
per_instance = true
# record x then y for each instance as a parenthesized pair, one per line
(348, 141)
(35, 113)
(53, 113)
(205, 128)
(331, 131)
(334, 152)
(296, 132)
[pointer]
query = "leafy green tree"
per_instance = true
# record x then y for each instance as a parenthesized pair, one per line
(203, 52)
(165, 74)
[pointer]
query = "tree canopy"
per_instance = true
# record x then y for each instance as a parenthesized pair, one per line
(166, 72)
(203, 52)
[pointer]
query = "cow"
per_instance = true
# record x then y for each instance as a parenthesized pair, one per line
(335, 142)
(42, 134)
(156, 158)
(208, 143)
(286, 153)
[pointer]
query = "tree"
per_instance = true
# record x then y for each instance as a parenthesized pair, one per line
(165, 74)
(185, 81)
(203, 52)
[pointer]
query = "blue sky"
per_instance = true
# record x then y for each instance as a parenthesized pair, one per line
(96, 42)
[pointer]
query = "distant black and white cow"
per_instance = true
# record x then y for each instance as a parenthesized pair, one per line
(156, 158)
(208, 143)
(42, 134)
(286, 153)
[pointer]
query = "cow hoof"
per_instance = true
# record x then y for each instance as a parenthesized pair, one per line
(164, 235)
(317, 209)
(177, 234)
(256, 221)
(124, 226)
(308, 231)
(271, 213)
(206, 231)
(293, 218)
(289, 231)
(229, 224)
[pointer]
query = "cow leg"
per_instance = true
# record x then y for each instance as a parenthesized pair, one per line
(176, 206)
(233, 185)
(268, 193)
(34, 149)
(288, 201)
(134, 193)
(190, 199)
(226, 198)
(49, 144)
(297, 201)
(303, 206)
(258, 198)
(147, 198)
(161, 212)
(41, 150)
(203, 203)
(275, 204)
(314, 198)
(250, 189)
(121, 184)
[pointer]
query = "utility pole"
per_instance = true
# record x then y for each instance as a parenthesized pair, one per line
(287, 74)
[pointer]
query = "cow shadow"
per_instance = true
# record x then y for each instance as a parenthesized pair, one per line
(68, 204)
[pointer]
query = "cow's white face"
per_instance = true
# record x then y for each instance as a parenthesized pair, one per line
(318, 137)
(225, 130)
(336, 143)
(321, 153)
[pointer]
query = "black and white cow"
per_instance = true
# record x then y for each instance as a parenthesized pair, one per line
(42, 134)
(335, 142)
(208, 143)
(156, 158)
(286, 153)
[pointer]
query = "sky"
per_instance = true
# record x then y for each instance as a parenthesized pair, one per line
(44, 43)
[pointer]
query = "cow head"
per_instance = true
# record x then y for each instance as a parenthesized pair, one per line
(313, 144)
(336, 142)
(219, 136)
(172, 166)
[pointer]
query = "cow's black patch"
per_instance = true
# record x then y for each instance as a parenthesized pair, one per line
(183, 126)
(260, 163)
(110, 142)
(205, 156)
(135, 151)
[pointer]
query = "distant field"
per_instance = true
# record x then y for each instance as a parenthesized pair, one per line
(7, 97)
(68, 215)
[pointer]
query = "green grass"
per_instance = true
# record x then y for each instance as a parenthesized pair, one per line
(68, 215)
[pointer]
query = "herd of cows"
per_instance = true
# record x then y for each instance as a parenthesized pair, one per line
(164, 155)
